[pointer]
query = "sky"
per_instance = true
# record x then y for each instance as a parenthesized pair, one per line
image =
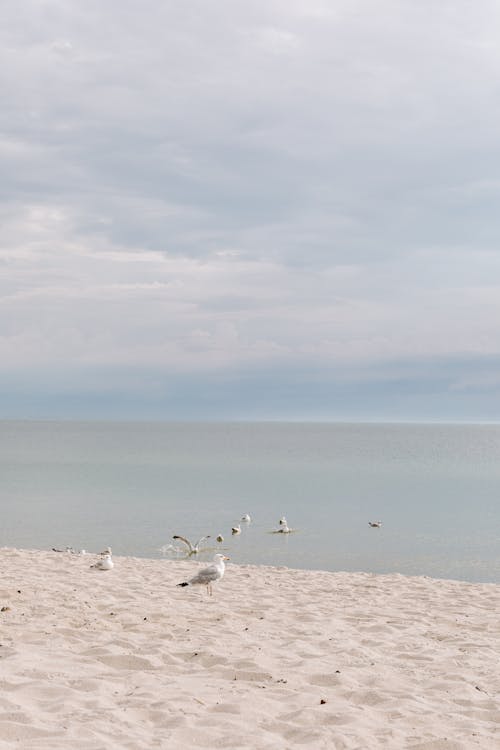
(283, 209)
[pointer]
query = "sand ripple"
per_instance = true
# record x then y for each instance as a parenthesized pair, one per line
(125, 659)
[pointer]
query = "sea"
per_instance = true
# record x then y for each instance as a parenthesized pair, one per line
(435, 488)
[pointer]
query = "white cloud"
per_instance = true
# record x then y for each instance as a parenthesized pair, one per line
(237, 184)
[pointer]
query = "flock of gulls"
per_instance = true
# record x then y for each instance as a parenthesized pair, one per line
(214, 572)
(192, 548)
(206, 576)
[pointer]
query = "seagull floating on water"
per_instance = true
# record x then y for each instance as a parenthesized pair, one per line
(246, 518)
(283, 529)
(209, 575)
(104, 563)
(192, 548)
(375, 524)
(236, 529)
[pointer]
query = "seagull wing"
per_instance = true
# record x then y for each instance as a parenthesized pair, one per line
(207, 575)
(186, 541)
(202, 539)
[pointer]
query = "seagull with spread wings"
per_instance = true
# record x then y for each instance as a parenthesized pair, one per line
(193, 549)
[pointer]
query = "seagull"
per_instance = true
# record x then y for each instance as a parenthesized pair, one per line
(219, 538)
(246, 518)
(104, 563)
(69, 550)
(193, 548)
(283, 529)
(209, 575)
(236, 529)
(375, 524)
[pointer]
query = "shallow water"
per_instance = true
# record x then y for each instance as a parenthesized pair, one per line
(436, 489)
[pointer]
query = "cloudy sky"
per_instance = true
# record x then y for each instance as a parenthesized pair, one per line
(277, 209)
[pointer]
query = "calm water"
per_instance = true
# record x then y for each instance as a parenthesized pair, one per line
(133, 485)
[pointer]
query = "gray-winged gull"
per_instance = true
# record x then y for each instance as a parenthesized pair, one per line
(210, 575)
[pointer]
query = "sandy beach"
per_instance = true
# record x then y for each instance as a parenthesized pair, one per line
(276, 658)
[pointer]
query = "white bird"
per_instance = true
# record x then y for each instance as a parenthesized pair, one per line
(283, 521)
(246, 518)
(104, 563)
(209, 575)
(375, 524)
(192, 548)
(283, 529)
(236, 529)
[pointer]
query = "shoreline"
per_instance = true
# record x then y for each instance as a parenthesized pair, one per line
(204, 559)
(276, 658)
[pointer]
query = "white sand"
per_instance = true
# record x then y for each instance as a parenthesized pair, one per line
(125, 659)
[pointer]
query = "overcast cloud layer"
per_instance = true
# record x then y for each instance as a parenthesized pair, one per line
(276, 209)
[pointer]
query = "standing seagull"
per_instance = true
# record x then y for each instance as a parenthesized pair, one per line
(193, 548)
(209, 575)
